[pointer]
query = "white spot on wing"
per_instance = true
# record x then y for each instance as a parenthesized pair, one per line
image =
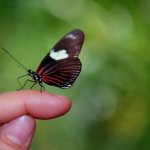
(61, 54)
(71, 36)
(66, 86)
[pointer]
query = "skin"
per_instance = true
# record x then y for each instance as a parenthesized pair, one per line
(18, 111)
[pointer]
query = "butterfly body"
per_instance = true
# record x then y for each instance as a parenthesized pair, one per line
(35, 76)
(61, 66)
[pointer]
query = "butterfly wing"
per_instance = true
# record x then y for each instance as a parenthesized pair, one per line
(62, 73)
(61, 66)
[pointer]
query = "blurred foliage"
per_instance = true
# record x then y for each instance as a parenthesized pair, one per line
(111, 96)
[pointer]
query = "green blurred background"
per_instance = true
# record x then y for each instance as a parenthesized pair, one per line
(111, 97)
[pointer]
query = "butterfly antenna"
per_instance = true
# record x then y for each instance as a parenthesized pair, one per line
(14, 58)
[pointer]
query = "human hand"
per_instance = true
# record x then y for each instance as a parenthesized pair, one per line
(18, 111)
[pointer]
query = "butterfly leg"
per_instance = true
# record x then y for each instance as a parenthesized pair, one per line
(42, 89)
(19, 78)
(33, 84)
(24, 84)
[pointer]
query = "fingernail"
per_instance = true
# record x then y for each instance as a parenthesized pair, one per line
(19, 131)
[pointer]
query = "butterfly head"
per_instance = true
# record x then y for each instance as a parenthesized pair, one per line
(34, 75)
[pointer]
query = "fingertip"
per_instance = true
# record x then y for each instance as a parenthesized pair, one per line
(46, 105)
(18, 133)
(30, 102)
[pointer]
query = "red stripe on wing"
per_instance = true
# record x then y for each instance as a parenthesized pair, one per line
(62, 73)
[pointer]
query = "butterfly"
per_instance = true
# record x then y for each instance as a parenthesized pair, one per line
(61, 66)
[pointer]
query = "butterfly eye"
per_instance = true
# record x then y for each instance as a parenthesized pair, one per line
(29, 71)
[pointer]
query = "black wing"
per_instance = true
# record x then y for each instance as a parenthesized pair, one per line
(71, 42)
(61, 66)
